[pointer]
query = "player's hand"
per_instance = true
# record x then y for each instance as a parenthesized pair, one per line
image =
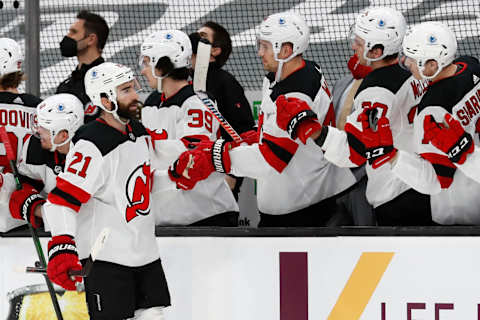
(190, 167)
(451, 138)
(296, 117)
(23, 202)
(379, 147)
(63, 257)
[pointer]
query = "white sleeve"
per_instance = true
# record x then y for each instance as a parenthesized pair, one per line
(471, 166)
(82, 177)
(416, 172)
(336, 148)
(248, 161)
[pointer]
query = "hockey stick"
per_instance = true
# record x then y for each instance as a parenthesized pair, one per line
(96, 248)
(200, 87)
(33, 232)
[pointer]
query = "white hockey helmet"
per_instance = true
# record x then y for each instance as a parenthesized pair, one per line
(11, 56)
(430, 41)
(280, 28)
(60, 112)
(174, 44)
(103, 80)
(380, 26)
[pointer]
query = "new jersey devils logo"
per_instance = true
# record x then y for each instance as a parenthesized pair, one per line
(138, 192)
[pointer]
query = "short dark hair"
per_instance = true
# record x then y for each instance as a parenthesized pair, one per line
(95, 24)
(221, 39)
(11, 80)
(388, 58)
(165, 65)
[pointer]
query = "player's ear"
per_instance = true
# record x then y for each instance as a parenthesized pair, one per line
(431, 65)
(376, 52)
(286, 50)
(106, 103)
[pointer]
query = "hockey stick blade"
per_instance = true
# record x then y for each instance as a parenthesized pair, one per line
(202, 61)
(96, 249)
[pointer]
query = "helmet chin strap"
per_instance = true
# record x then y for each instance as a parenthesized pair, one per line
(55, 145)
(281, 62)
(114, 113)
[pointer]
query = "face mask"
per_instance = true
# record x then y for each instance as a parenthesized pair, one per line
(68, 47)
(359, 71)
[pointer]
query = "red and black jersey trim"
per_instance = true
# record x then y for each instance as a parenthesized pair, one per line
(443, 167)
(64, 192)
(356, 146)
(191, 141)
(278, 152)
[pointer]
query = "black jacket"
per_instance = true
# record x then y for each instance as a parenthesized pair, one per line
(75, 85)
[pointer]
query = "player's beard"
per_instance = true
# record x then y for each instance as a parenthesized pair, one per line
(124, 110)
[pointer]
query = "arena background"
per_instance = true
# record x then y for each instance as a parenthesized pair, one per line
(132, 21)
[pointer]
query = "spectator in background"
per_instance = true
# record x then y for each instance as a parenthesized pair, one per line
(85, 39)
(228, 92)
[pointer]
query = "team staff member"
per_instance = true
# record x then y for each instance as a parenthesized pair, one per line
(85, 39)
(228, 92)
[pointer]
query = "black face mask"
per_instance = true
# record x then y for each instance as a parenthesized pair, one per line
(68, 47)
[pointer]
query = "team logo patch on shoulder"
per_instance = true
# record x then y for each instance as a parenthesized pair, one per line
(90, 109)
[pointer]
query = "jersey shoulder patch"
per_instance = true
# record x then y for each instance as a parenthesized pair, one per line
(36, 155)
(107, 138)
(153, 99)
(391, 77)
(446, 93)
(305, 80)
(23, 99)
(179, 98)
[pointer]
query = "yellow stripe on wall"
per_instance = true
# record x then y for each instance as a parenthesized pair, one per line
(361, 285)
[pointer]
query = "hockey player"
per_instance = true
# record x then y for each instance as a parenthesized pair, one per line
(43, 156)
(390, 91)
(17, 114)
(106, 182)
(182, 118)
(454, 97)
(296, 186)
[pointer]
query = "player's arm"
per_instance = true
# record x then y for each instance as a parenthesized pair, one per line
(451, 138)
(82, 177)
(25, 204)
(430, 170)
(343, 148)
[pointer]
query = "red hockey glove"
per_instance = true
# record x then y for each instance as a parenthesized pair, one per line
(453, 140)
(23, 202)
(359, 71)
(379, 147)
(63, 257)
(190, 167)
(250, 137)
(296, 117)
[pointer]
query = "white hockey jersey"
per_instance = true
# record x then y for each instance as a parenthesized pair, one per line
(290, 175)
(454, 196)
(177, 121)
(17, 114)
(106, 183)
(395, 94)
